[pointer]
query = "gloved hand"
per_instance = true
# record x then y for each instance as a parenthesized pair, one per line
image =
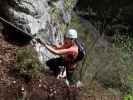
(38, 40)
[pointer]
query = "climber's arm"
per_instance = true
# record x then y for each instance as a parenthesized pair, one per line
(57, 46)
(57, 51)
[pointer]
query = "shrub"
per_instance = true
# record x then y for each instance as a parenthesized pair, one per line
(128, 97)
(27, 62)
(125, 44)
(108, 65)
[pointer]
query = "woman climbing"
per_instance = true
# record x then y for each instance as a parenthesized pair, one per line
(68, 52)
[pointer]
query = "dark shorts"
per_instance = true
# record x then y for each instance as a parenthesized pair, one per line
(55, 64)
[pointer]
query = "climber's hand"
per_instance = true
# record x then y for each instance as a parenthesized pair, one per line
(38, 40)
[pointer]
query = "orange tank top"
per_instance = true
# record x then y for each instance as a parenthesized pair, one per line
(70, 56)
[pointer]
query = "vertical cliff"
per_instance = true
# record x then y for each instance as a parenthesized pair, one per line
(46, 18)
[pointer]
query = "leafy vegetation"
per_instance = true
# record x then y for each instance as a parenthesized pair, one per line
(125, 45)
(68, 4)
(110, 66)
(128, 97)
(112, 19)
(56, 16)
(108, 16)
(27, 62)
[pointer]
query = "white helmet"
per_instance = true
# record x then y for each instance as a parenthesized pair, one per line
(72, 33)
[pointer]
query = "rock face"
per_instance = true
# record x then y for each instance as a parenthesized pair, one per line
(46, 18)
(109, 16)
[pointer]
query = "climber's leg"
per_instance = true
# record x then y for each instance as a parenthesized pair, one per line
(54, 64)
(71, 77)
(72, 80)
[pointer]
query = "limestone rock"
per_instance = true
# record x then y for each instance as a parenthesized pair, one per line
(46, 18)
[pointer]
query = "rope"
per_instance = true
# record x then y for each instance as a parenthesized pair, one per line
(17, 28)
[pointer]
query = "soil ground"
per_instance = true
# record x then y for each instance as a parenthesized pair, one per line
(13, 87)
(45, 87)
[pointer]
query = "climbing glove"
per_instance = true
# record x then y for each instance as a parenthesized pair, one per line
(39, 40)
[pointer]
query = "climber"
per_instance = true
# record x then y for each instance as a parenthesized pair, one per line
(68, 52)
